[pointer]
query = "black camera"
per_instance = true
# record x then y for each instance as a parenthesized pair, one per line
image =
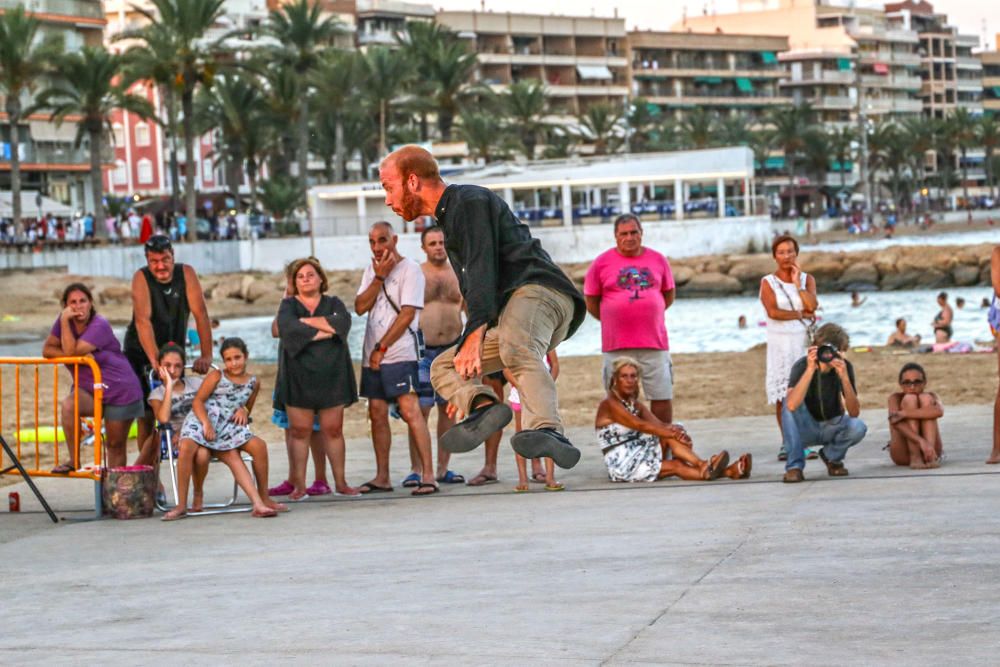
(827, 353)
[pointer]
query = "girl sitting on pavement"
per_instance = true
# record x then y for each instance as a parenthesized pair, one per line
(913, 421)
(537, 475)
(171, 403)
(219, 421)
(635, 443)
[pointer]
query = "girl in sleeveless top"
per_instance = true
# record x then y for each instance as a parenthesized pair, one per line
(789, 298)
(220, 421)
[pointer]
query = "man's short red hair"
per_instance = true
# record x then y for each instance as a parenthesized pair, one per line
(412, 159)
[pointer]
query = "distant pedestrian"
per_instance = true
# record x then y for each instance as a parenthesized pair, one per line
(628, 289)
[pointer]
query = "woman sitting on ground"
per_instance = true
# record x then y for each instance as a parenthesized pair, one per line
(899, 337)
(635, 443)
(913, 421)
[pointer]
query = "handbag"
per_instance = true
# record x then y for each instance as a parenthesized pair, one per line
(809, 325)
(418, 335)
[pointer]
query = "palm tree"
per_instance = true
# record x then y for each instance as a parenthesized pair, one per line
(816, 154)
(919, 131)
(183, 24)
(897, 162)
(696, 129)
(560, 143)
(732, 130)
(23, 62)
(445, 63)
(388, 72)
(988, 136)
(601, 125)
(525, 105)
(301, 33)
(963, 129)
(841, 142)
(944, 146)
(153, 61)
(338, 80)
(789, 127)
(280, 197)
(87, 86)
(282, 92)
(483, 132)
(235, 105)
(642, 122)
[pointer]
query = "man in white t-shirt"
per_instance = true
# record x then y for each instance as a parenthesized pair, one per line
(392, 294)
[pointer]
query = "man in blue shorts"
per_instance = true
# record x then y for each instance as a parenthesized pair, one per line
(392, 295)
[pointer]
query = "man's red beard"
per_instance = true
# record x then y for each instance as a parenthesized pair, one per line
(411, 205)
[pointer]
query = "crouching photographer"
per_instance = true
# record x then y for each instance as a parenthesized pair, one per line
(821, 390)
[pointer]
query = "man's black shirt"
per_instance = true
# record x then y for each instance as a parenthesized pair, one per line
(493, 254)
(823, 398)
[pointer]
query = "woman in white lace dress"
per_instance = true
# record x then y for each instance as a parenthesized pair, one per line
(789, 297)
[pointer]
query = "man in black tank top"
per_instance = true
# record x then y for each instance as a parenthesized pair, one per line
(164, 294)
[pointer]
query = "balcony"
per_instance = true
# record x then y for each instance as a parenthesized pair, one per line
(688, 72)
(969, 85)
(88, 9)
(833, 102)
(719, 100)
(908, 59)
(831, 76)
(549, 59)
(62, 154)
(378, 37)
(965, 62)
(907, 106)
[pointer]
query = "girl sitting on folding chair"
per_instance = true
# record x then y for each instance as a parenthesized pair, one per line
(219, 421)
(171, 403)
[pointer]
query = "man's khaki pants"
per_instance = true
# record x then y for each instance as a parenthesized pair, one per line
(534, 321)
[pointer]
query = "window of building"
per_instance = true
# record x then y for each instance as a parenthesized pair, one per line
(207, 172)
(120, 175)
(118, 133)
(145, 171)
(142, 134)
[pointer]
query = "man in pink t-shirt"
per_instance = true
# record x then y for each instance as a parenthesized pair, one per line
(628, 288)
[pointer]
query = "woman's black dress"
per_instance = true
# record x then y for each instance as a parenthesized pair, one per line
(314, 374)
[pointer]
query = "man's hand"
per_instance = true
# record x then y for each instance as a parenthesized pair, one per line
(812, 363)
(375, 359)
(469, 359)
(201, 365)
(383, 267)
(840, 366)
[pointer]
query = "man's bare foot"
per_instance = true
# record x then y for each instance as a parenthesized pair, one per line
(175, 514)
(276, 506)
(345, 490)
(538, 477)
(918, 465)
(198, 502)
(263, 512)
(994, 458)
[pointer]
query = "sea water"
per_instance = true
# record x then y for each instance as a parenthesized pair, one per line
(710, 324)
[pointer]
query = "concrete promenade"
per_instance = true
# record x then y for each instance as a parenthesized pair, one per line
(887, 566)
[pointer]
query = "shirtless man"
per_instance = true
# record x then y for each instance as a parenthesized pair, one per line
(441, 323)
(900, 338)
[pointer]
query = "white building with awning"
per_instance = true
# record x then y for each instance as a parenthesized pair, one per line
(706, 196)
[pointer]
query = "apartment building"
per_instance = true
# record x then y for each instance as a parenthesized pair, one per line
(951, 76)
(581, 60)
(839, 57)
(727, 73)
(50, 163)
(991, 79)
(381, 22)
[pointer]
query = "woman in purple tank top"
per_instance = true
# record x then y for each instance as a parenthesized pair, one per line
(80, 331)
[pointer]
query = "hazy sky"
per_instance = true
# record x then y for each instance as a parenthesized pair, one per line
(968, 15)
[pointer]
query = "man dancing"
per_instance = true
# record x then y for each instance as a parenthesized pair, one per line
(520, 306)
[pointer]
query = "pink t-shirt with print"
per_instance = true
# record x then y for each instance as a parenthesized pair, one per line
(632, 305)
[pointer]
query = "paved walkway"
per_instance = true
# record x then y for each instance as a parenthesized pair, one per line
(888, 566)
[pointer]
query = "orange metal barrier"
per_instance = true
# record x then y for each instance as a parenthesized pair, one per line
(40, 403)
